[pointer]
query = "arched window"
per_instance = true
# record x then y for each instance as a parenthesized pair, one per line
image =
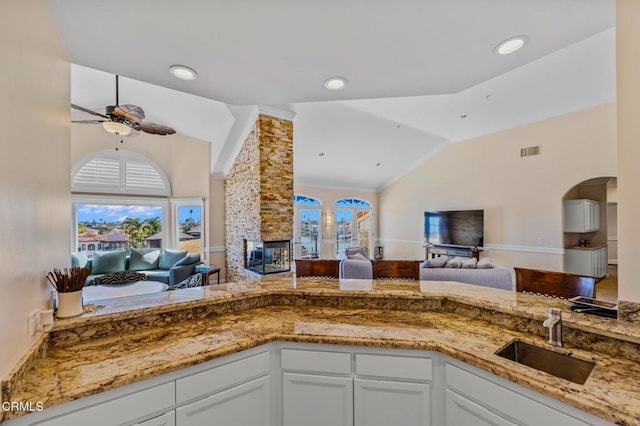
(353, 223)
(307, 227)
(119, 172)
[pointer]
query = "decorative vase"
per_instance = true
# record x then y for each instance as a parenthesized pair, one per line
(69, 304)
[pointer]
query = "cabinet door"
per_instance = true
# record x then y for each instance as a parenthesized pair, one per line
(460, 411)
(384, 403)
(243, 405)
(167, 419)
(314, 400)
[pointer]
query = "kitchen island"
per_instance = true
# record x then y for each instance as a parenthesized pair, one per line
(127, 341)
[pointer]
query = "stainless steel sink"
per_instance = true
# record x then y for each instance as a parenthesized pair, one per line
(554, 363)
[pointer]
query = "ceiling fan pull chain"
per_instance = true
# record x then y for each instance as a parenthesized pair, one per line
(117, 91)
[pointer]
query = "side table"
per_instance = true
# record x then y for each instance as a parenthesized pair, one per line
(207, 274)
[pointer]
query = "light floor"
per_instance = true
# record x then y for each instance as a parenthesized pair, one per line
(607, 288)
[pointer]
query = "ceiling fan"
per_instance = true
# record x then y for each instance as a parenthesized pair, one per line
(122, 119)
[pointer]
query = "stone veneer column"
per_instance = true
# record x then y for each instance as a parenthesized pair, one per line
(259, 191)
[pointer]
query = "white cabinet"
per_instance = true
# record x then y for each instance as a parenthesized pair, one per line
(247, 404)
(582, 261)
(581, 216)
(121, 410)
(384, 403)
(316, 400)
(475, 397)
(167, 419)
(362, 389)
(460, 411)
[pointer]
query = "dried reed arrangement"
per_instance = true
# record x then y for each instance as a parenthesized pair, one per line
(68, 280)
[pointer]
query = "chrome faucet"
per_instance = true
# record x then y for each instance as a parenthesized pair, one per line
(554, 324)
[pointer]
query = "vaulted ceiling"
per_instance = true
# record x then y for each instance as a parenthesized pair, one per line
(421, 74)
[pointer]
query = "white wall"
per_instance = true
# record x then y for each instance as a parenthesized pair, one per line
(628, 100)
(328, 196)
(522, 197)
(34, 167)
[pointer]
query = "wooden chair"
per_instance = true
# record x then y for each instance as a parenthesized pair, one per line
(557, 284)
(396, 269)
(321, 268)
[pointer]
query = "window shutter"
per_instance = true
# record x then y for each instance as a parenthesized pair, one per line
(121, 172)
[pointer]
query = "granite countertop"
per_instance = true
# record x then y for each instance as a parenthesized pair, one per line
(140, 337)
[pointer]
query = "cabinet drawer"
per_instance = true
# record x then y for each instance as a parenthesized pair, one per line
(393, 367)
(119, 410)
(316, 361)
(222, 377)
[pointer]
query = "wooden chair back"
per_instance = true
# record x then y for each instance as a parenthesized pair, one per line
(396, 269)
(325, 268)
(558, 284)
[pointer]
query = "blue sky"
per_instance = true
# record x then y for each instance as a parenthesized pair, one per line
(116, 213)
(184, 212)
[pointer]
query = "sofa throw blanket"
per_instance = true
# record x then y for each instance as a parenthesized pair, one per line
(120, 277)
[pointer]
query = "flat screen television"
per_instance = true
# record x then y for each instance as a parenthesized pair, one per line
(460, 228)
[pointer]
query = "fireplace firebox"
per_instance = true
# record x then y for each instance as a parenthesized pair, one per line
(267, 257)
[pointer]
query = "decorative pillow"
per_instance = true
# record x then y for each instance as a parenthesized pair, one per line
(120, 277)
(168, 258)
(453, 263)
(468, 263)
(79, 259)
(108, 261)
(436, 262)
(484, 263)
(140, 261)
(358, 256)
(192, 281)
(189, 259)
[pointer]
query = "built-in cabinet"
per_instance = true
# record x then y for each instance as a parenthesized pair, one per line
(586, 261)
(319, 385)
(369, 390)
(475, 397)
(581, 216)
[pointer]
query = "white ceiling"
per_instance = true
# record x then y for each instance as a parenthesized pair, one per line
(418, 65)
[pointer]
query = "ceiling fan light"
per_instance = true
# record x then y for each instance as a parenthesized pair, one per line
(182, 72)
(116, 128)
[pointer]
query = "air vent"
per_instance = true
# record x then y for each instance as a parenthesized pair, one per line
(532, 150)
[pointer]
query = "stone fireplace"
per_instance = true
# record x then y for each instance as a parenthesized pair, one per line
(259, 201)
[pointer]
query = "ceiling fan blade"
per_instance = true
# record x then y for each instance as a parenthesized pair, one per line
(154, 128)
(83, 109)
(133, 113)
(88, 121)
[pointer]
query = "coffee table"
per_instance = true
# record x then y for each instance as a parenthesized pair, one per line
(112, 291)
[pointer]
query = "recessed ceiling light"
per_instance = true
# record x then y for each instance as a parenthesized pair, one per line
(335, 83)
(511, 45)
(182, 72)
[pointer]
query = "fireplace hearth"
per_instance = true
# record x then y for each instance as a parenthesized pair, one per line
(267, 257)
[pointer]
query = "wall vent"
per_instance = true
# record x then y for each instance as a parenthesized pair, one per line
(532, 150)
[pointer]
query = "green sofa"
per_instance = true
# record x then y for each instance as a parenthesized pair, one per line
(164, 265)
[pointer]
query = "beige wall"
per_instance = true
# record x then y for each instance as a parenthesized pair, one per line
(328, 196)
(216, 222)
(628, 100)
(522, 197)
(34, 167)
(185, 160)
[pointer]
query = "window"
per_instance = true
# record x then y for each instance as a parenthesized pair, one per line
(119, 172)
(307, 229)
(188, 223)
(105, 224)
(353, 223)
